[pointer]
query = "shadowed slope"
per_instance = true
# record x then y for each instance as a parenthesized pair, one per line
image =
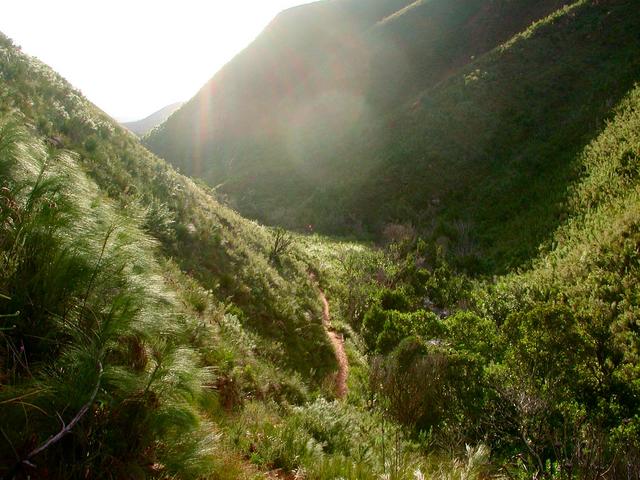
(412, 107)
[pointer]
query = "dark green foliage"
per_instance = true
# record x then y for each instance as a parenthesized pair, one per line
(495, 146)
(384, 329)
(473, 335)
(569, 348)
(281, 243)
(444, 287)
(553, 350)
(544, 344)
(440, 113)
(398, 299)
(82, 311)
(429, 386)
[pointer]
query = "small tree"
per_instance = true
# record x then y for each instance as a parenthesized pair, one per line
(282, 240)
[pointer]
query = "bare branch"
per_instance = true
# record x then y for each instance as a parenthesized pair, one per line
(65, 428)
(282, 240)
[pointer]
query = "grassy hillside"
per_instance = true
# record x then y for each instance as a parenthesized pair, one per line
(227, 254)
(427, 42)
(149, 332)
(93, 337)
(439, 98)
(141, 127)
(129, 296)
(493, 149)
(294, 59)
(589, 273)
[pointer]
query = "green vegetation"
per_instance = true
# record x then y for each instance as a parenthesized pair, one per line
(88, 324)
(144, 325)
(225, 253)
(542, 364)
(437, 115)
(148, 331)
(130, 299)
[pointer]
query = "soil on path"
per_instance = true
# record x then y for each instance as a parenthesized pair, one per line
(337, 341)
(343, 366)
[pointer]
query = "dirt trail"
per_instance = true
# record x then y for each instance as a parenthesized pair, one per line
(338, 345)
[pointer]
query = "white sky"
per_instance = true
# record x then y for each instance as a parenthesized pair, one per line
(133, 57)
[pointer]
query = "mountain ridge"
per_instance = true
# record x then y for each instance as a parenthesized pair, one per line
(145, 125)
(326, 141)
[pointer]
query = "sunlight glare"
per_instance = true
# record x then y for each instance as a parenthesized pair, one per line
(132, 58)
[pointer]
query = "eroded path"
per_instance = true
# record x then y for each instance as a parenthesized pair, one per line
(337, 341)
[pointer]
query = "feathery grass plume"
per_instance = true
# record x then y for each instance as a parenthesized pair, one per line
(222, 251)
(81, 294)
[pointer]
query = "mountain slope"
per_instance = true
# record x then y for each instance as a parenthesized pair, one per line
(132, 295)
(222, 250)
(579, 304)
(468, 124)
(493, 150)
(142, 127)
(146, 331)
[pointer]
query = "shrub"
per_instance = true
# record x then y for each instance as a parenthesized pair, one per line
(428, 385)
(384, 329)
(282, 241)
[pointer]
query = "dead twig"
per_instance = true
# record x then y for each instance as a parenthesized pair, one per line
(66, 428)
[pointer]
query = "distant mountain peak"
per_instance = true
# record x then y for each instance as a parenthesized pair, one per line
(144, 126)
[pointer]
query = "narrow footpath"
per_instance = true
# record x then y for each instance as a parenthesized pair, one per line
(340, 378)
(338, 346)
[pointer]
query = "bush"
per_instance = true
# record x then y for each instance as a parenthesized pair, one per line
(384, 329)
(428, 385)
(473, 334)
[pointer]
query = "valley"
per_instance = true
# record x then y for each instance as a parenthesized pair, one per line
(388, 240)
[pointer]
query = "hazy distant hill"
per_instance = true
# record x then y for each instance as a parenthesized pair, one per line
(141, 127)
(342, 105)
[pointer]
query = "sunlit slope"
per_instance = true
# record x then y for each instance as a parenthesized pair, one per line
(93, 333)
(592, 271)
(492, 150)
(224, 252)
(429, 41)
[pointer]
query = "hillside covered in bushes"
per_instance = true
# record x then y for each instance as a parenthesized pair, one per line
(490, 322)
(450, 115)
(125, 287)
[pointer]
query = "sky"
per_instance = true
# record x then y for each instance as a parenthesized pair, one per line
(133, 57)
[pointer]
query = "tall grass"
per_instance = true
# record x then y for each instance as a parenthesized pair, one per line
(88, 339)
(222, 251)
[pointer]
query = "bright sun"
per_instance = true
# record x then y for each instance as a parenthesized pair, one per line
(134, 57)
